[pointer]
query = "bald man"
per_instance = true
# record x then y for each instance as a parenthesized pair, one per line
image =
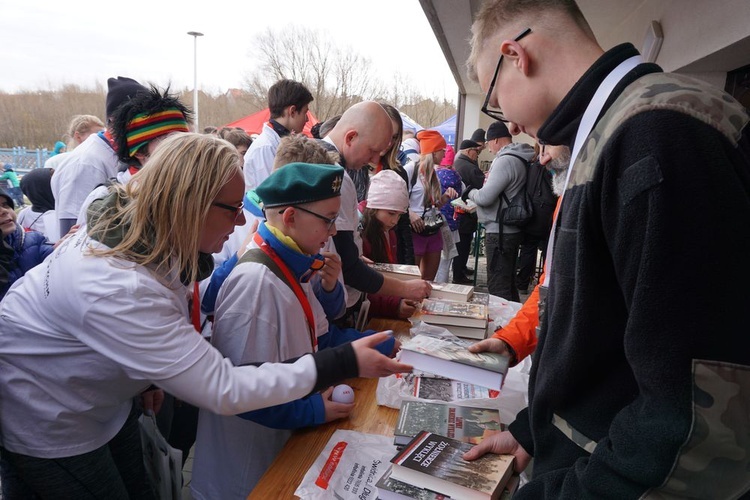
(360, 137)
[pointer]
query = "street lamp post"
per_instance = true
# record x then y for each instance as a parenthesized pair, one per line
(195, 35)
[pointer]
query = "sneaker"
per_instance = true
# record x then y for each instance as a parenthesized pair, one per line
(468, 271)
(463, 280)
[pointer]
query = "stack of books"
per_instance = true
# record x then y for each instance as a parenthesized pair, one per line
(434, 463)
(452, 359)
(462, 319)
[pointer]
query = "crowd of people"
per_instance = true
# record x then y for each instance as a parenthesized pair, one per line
(216, 279)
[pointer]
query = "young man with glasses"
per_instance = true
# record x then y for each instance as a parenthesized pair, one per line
(267, 310)
(638, 387)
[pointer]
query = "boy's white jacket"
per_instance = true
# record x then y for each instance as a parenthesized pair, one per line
(82, 335)
(258, 319)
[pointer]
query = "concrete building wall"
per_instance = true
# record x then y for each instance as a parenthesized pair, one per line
(702, 38)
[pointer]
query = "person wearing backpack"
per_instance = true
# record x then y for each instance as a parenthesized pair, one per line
(506, 179)
(544, 200)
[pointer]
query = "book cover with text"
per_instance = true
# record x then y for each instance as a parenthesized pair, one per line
(435, 463)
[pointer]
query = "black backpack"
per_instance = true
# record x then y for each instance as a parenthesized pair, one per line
(544, 200)
(532, 208)
(519, 211)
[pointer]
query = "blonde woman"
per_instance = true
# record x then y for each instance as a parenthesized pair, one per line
(106, 315)
(425, 200)
(81, 127)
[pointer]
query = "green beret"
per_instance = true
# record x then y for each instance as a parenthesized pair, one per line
(298, 183)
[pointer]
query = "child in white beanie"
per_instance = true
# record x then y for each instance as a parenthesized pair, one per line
(387, 199)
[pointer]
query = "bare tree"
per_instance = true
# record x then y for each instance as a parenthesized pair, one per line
(336, 77)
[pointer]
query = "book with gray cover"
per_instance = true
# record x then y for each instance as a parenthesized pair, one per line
(451, 358)
(466, 423)
(391, 489)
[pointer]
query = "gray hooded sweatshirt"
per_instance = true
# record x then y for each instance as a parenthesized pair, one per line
(507, 175)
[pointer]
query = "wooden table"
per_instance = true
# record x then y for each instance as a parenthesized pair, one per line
(299, 453)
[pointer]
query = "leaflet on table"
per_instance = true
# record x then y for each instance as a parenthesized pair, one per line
(393, 390)
(444, 389)
(348, 467)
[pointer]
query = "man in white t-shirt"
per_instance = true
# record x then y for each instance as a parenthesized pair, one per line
(360, 137)
(288, 103)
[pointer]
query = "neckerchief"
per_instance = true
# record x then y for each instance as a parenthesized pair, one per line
(266, 248)
(303, 266)
(107, 137)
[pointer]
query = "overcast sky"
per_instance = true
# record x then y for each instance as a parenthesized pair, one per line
(47, 43)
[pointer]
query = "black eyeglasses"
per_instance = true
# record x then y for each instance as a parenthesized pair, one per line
(330, 222)
(497, 114)
(237, 210)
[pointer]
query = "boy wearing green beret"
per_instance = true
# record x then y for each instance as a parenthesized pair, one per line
(266, 311)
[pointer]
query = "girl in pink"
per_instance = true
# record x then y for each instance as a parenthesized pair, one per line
(387, 199)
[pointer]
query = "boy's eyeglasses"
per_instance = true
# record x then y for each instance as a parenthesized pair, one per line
(329, 222)
(497, 113)
(237, 210)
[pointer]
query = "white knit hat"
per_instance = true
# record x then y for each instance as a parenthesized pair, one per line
(388, 192)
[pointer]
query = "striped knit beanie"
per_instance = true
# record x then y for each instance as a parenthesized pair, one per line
(146, 127)
(145, 117)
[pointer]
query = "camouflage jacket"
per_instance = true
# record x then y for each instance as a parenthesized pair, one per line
(641, 381)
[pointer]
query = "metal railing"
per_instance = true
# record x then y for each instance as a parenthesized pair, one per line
(23, 159)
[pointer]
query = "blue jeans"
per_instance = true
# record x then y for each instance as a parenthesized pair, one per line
(114, 471)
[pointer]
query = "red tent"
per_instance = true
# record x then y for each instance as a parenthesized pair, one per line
(253, 124)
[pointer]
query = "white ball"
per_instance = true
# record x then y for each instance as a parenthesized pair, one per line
(343, 394)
